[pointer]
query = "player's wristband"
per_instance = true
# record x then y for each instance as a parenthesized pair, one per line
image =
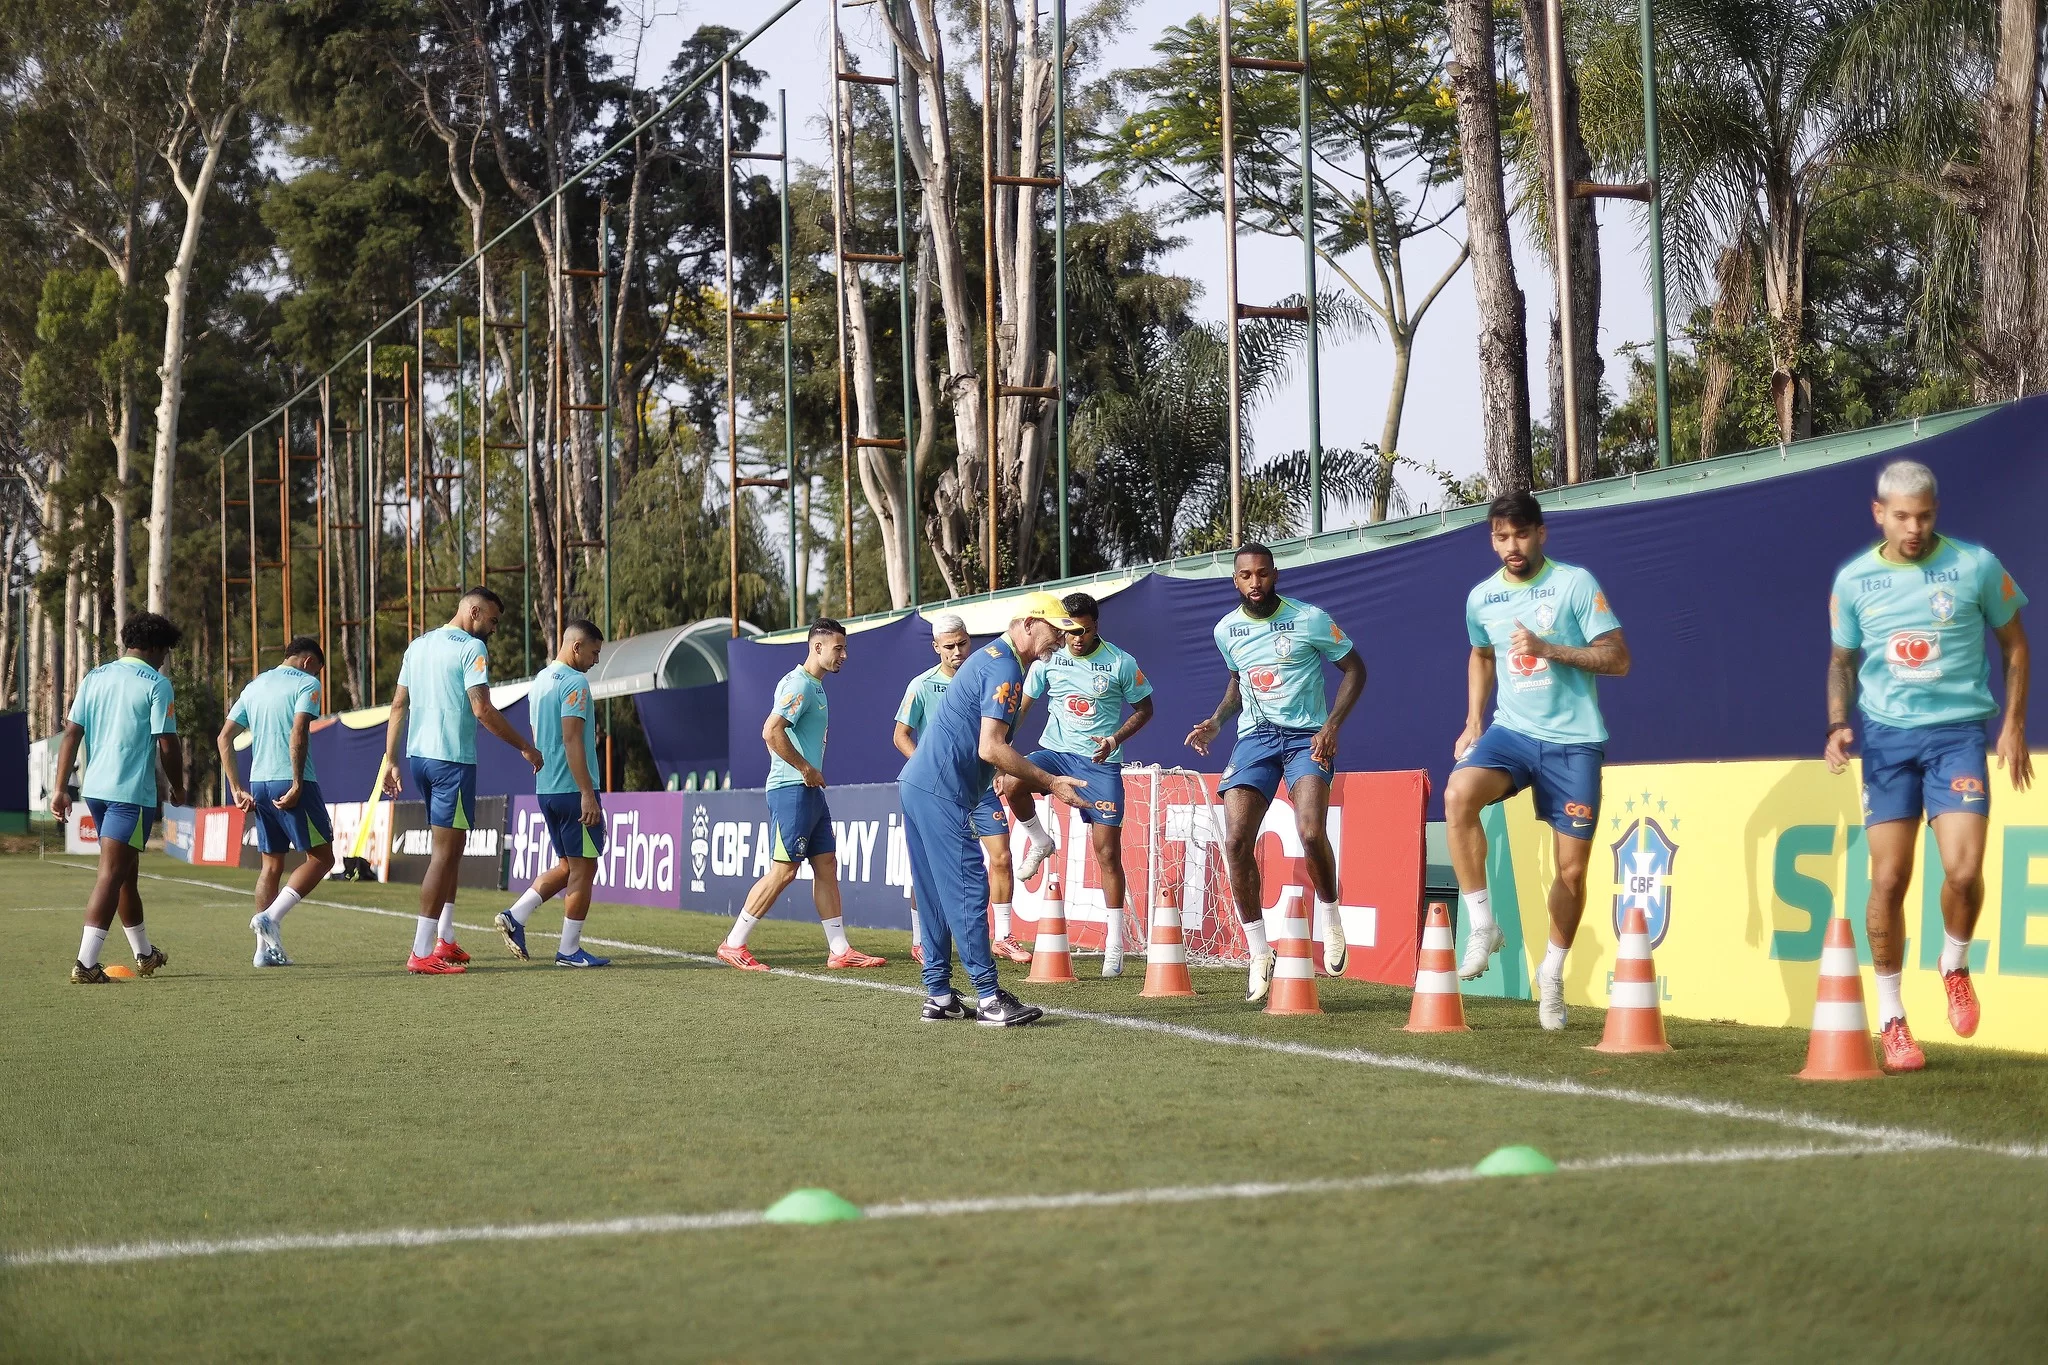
(1840, 725)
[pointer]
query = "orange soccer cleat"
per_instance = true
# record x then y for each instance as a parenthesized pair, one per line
(1963, 1012)
(739, 957)
(434, 965)
(854, 957)
(917, 952)
(448, 950)
(1011, 949)
(1901, 1053)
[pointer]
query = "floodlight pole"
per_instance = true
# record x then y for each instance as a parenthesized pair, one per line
(732, 411)
(526, 474)
(990, 379)
(1308, 285)
(839, 316)
(1660, 339)
(904, 325)
(788, 363)
(1234, 450)
(1561, 234)
(1059, 264)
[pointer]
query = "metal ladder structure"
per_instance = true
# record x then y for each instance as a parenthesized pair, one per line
(520, 406)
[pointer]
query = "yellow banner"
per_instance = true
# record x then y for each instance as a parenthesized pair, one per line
(1738, 867)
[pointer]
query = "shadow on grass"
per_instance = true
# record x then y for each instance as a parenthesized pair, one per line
(1411, 1352)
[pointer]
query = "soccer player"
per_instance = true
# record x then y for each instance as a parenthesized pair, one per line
(1086, 687)
(1286, 731)
(1913, 609)
(799, 822)
(951, 643)
(444, 693)
(966, 740)
(1554, 625)
(278, 709)
(127, 717)
(565, 730)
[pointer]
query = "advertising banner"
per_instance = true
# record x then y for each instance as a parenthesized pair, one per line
(412, 843)
(1738, 867)
(644, 855)
(81, 835)
(205, 835)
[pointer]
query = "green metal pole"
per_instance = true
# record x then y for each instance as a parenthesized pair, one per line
(1660, 343)
(788, 362)
(1308, 277)
(461, 446)
(904, 338)
(526, 477)
(1059, 262)
(604, 362)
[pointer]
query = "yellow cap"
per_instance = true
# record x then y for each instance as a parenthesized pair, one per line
(1043, 606)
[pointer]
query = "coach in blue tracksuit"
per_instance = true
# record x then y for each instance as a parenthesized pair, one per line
(965, 741)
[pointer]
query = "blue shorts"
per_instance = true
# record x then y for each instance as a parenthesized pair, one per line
(449, 789)
(1564, 777)
(122, 822)
(799, 824)
(573, 839)
(1267, 755)
(303, 827)
(1935, 769)
(1103, 797)
(987, 816)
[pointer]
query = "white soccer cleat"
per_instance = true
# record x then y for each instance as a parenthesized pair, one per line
(269, 946)
(1550, 1001)
(1034, 858)
(1333, 943)
(1480, 946)
(1261, 978)
(1113, 960)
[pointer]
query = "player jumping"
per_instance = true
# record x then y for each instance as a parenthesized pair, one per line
(951, 643)
(1275, 648)
(1914, 609)
(278, 709)
(1553, 623)
(564, 723)
(1086, 686)
(444, 693)
(799, 822)
(127, 716)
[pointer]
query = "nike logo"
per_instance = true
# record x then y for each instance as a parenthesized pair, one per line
(1968, 799)
(1580, 824)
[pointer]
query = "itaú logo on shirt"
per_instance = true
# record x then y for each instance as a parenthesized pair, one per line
(1080, 706)
(1912, 652)
(1263, 679)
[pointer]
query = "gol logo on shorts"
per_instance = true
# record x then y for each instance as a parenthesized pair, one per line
(1969, 785)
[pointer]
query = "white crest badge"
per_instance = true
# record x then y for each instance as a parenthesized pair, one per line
(1283, 645)
(1546, 616)
(1099, 683)
(1942, 603)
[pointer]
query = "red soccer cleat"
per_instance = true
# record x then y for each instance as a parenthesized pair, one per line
(1901, 1053)
(1011, 949)
(434, 965)
(1963, 1013)
(917, 952)
(448, 950)
(854, 957)
(739, 957)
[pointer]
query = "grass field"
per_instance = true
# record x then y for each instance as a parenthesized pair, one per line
(1710, 1207)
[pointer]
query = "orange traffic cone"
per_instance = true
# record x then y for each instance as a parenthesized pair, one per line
(1437, 1008)
(1166, 959)
(1634, 1021)
(1839, 1047)
(1050, 959)
(1294, 967)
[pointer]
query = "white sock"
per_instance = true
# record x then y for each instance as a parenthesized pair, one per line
(1478, 908)
(572, 935)
(423, 935)
(1255, 937)
(89, 945)
(1113, 932)
(1553, 961)
(1037, 831)
(835, 934)
(1003, 920)
(916, 931)
(447, 924)
(1955, 952)
(1889, 1006)
(138, 939)
(741, 927)
(985, 1001)
(522, 909)
(281, 906)
(942, 1000)
(1326, 915)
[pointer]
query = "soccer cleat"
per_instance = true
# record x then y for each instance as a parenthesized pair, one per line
(1005, 1010)
(1901, 1053)
(854, 957)
(935, 1013)
(269, 947)
(1962, 1001)
(1480, 946)
(1333, 943)
(1113, 960)
(581, 958)
(1034, 858)
(514, 934)
(147, 964)
(917, 953)
(739, 957)
(448, 950)
(1011, 949)
(434, 965)
(1261, 977)
(271, 957)
(1550, 1001)
(95, 975)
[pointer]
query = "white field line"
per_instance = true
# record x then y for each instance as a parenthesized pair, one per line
(1884, 1134)
(128, 1253)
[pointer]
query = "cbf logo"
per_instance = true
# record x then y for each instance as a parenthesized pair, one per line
(700, 846)
(1643, 861)
(1942, 603)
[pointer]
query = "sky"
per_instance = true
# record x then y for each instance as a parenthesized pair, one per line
(1441, 419)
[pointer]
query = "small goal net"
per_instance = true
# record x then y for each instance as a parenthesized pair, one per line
(1173, 845)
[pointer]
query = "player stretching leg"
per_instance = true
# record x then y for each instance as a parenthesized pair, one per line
(1914, 609)
(966, 741)
(951, 643)
(1553, 623)
(1087, 685)
(565, 731)
(1287, 731)
(444, 693)
(127, 716)
(278, 710)
(800, 823)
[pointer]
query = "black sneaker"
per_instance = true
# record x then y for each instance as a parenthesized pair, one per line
(151, 960)
(1007, 1011)
(95, 975)
(956, 1008)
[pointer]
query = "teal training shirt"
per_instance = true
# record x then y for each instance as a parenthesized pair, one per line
(439, 669)
(1279, 664)
(1542, 698)
(122, 707)
(1921, 630)
(559, 693)
(268, 709)
(1085, 697)
(921, 698)
(799, 700)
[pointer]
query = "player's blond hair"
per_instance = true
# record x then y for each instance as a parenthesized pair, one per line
(1906, 479)
(948, 623)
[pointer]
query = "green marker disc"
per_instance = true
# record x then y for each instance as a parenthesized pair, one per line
(1516, 1161)
(812, 1206)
